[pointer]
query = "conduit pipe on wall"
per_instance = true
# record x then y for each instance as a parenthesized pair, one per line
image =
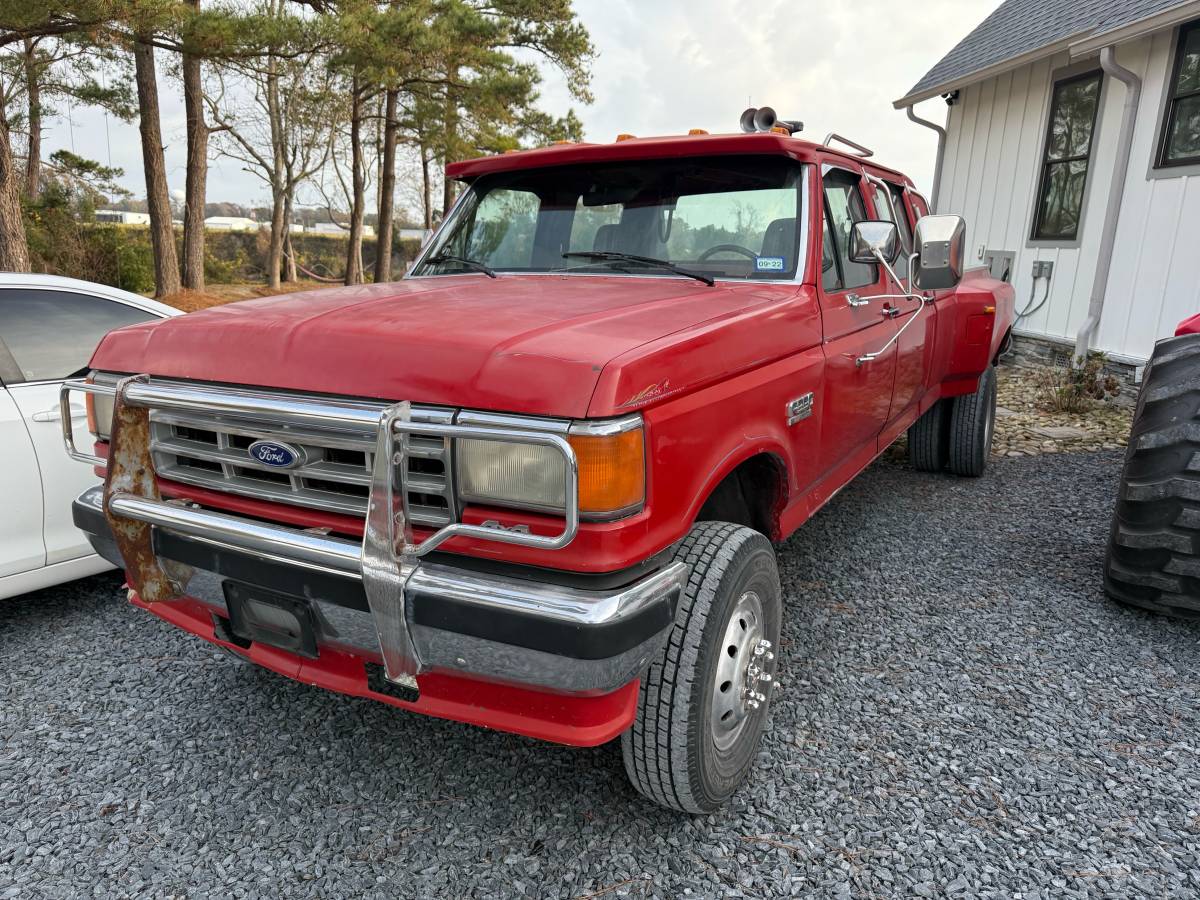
(1116, 193)
(941, 152)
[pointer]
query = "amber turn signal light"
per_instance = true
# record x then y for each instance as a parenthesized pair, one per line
(612, 472)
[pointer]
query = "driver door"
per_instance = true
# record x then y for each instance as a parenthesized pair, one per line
(857, 396)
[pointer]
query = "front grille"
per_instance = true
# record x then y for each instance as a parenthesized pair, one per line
(211, 451)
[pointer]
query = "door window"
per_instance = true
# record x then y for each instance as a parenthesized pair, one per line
(52, 334)
(843, 207)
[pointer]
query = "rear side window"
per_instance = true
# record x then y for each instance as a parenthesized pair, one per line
(843, 207)
(883, 211)
(51, 334)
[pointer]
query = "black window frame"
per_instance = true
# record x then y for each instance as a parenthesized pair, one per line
(1046, 162)
(1172, 103)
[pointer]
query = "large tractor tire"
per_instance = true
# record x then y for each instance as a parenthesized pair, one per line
(1154, 547)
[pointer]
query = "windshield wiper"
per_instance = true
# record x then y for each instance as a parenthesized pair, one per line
(463, 260)
(632, 257)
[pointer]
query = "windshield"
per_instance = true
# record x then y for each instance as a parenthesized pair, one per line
(724, 217)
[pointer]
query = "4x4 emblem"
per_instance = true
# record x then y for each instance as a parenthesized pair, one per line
(800, 408)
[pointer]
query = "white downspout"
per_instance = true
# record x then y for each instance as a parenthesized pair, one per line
(941, 152)
(1108, 237)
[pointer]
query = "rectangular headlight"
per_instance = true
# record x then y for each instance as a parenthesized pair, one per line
(612, 471)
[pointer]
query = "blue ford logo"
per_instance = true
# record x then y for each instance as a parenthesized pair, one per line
(276, 453)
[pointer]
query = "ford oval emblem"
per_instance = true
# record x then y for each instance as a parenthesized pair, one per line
(276, 454)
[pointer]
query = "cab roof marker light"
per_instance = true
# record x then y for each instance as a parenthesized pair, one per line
(625, 137)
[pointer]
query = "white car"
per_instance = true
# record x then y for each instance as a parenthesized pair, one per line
(49, 327)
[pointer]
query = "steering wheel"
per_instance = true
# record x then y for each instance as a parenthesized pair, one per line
(727, 248)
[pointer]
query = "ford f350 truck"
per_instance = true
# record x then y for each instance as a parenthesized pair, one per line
(535, 485)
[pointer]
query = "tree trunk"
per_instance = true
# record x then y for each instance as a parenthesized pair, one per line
(278, 235)
(197, 171)
(426, 189)
(387, 190)
(33, 93)
(158, 201)
(354, 245)
(14, 250)
(449, 137)
(279, 180)
(289, 252)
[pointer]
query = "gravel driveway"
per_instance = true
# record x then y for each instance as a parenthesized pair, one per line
(961, 712)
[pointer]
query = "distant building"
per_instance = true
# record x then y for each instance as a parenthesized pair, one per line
(335, 228)
(230, 223)
(121, 217)
(413, 234)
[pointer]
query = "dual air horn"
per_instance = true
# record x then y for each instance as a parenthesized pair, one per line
(764, 119)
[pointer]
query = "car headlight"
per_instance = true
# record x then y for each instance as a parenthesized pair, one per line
(611, 459)
(100, 406)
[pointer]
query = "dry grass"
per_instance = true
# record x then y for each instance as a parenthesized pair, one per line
(220, 294)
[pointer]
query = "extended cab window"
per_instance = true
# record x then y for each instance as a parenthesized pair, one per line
(843, 207)
(884, 211)
(51, 334)
(727, 217)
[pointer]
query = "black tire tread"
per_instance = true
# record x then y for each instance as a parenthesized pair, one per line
(968, 425)
(1153, 559)
(929, 437)
(655, 748)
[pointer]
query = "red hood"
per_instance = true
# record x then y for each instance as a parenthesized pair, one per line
(529, 344)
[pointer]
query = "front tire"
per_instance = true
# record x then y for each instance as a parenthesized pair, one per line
(972, 424)
(1153, 561)
(704, 699)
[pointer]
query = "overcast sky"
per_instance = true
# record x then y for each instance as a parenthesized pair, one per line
(664, 66)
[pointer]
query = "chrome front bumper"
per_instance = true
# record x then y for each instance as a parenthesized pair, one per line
(381, 597)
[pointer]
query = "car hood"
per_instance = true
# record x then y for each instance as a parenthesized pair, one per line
(524, 344)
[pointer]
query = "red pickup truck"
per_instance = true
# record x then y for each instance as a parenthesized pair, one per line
(535, 484)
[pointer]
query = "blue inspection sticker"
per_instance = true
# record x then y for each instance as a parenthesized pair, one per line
(768, 263)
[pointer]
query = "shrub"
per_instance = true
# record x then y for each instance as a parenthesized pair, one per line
(1075, 389)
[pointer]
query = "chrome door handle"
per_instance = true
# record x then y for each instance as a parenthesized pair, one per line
(855, 300)
(890, 312)
(54, 414)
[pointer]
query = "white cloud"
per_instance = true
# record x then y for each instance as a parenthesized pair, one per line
(665, 66)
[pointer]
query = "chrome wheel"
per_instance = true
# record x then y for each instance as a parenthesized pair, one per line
(741, 676)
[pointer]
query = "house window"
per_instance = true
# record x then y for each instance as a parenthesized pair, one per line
(1065, 164)
(1179, 143)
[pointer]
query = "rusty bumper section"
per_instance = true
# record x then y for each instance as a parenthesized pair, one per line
(387, 565)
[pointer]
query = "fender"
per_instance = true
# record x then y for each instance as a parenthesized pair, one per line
(973, 322)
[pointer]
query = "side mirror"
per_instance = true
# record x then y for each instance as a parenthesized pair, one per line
(939, 250)
(868, 238)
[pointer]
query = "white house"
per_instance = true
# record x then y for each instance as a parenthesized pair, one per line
(1072, 148)
(122, 217)
(230, 223)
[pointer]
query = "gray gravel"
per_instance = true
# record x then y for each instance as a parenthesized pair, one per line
(962, 712)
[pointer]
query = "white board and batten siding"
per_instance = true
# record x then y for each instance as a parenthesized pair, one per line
(994, 146)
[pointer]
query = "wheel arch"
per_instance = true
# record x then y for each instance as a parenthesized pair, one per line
(749, 488)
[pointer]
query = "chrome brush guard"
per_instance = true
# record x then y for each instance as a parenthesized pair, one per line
(387, 555)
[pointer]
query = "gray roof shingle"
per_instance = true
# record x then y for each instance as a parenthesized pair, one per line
(1018, 27)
